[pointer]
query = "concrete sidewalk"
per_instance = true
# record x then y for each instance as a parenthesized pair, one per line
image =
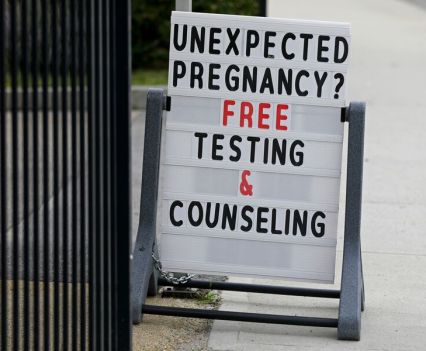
(388, 72)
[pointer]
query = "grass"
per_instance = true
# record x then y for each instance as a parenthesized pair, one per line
(150, 77)
(208, 297)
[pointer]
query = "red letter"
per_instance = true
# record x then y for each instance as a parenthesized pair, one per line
(246, 115)
(226, 112)
(281, 117)
(262, 115)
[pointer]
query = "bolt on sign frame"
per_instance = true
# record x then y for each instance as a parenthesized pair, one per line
(65, 175)
(145, 279)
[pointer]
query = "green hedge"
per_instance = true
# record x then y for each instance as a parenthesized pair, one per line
(151, 26)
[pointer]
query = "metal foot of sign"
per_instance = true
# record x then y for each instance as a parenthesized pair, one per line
(145, 278)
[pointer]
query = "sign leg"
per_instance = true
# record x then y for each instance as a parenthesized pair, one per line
(351, 297)
(144, 276)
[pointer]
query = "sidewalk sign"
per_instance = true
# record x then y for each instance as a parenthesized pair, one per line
(251, 163)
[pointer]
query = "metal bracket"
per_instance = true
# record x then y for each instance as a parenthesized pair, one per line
(343, 114)
(145, 278)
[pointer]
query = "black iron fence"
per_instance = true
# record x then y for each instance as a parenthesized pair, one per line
(64, 175)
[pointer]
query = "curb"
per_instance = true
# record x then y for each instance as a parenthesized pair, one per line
(139, 94)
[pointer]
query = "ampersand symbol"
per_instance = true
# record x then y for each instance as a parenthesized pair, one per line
(246, 189)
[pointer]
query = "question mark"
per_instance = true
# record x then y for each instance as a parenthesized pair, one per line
(339, 85)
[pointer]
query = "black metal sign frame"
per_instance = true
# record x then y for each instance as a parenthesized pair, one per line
(145, 279)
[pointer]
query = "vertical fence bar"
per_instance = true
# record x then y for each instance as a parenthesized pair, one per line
(46, 246)
(36, 239)
(106, 166)
(74, 242)
(65, 203)
(112, 172)
(123, 167)
(3, 181)
(56, 189)
(91, 179)
(25, 160)
(99, 114)
(15, 174)
(82, 66)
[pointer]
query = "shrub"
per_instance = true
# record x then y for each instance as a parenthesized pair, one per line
(151, 26)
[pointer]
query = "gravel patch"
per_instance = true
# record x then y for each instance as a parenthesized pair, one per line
(164, 333)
